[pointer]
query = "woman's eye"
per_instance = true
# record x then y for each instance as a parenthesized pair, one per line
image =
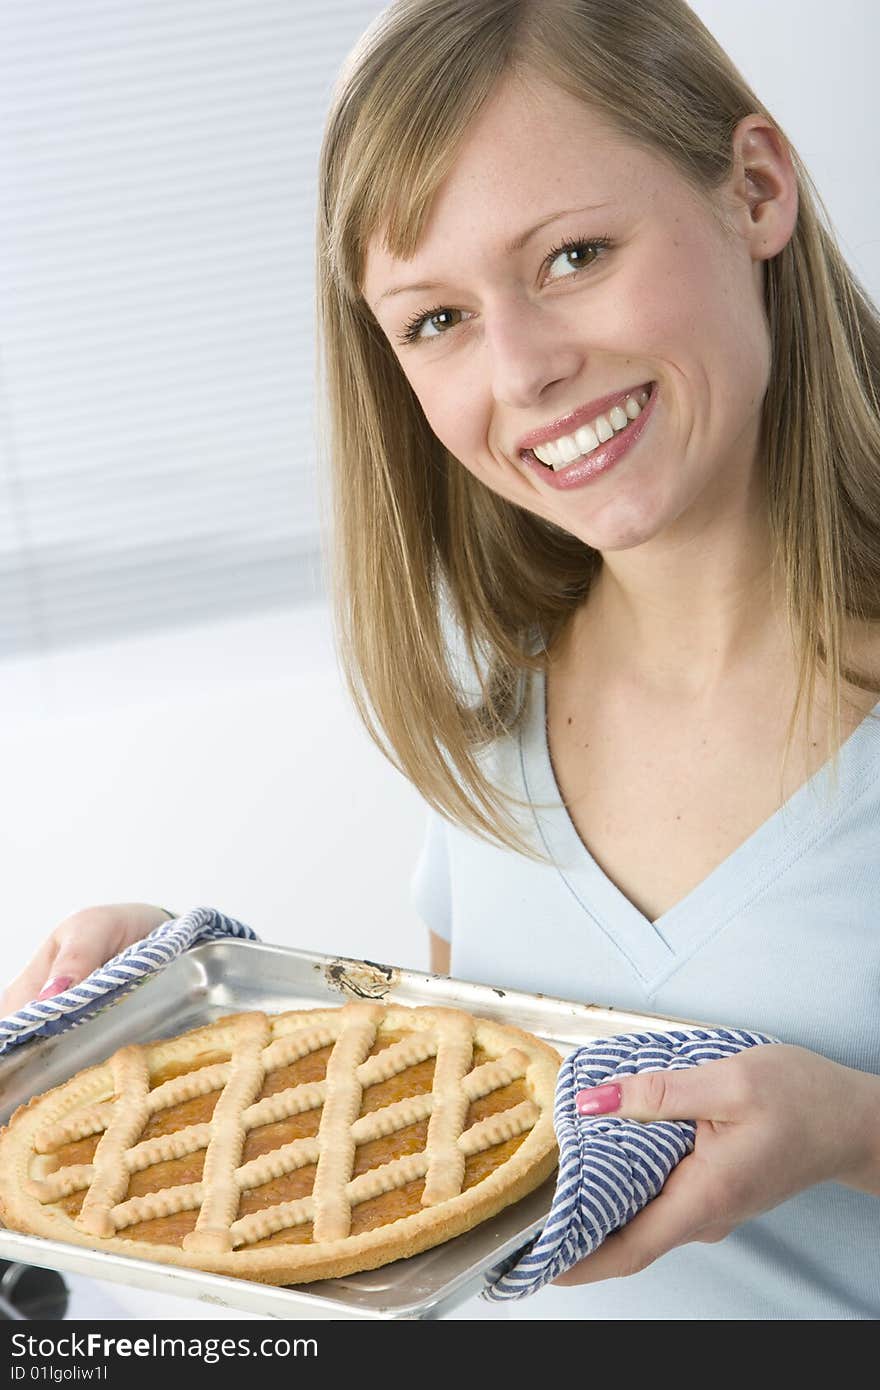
(436, 320)
(574, 255)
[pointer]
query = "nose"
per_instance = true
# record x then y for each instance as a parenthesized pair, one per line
(529, 352)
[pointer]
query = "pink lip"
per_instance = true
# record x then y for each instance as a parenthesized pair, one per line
(584, 415)
(585, 469)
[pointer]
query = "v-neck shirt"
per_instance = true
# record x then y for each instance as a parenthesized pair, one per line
(782, 937)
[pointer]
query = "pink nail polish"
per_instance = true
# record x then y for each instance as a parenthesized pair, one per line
(600, 1100)
(56, 985)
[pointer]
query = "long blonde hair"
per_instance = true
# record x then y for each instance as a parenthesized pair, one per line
(419, 543)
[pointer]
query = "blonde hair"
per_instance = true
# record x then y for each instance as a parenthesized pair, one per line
(415, 533)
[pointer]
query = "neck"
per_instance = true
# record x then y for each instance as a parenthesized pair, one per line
(685, 618)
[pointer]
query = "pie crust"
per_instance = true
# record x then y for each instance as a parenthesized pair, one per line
(290, 1147)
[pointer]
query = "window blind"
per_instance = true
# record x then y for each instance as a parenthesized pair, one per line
(158, 167)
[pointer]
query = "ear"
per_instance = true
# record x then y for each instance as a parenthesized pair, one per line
(762, 187)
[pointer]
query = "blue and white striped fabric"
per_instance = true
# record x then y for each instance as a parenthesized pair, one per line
(610, 1168)
(109, 982)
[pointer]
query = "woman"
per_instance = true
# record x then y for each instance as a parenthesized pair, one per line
(605, 435)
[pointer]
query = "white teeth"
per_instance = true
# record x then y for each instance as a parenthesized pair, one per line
(558, 453)
(568, 448)
(587, 438)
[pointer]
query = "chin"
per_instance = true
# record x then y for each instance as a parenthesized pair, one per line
(631, 526)
(610, 539)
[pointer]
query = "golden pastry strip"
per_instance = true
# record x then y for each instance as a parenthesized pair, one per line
(376, 1124)
(490, 1075)
(495, 1129)
(454, 1057)
(332, 1210)
(228, 1132)
(189, 1085)
(292, 1046)
(168, 1202)
(62, 1183)
(391, 1061)
(166, 1146)
(283, 1104)
(277, 1163)
(130, 1082)
(93, 1120)
(265, 1223)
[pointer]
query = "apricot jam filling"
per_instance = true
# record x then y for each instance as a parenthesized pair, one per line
(376, 1211)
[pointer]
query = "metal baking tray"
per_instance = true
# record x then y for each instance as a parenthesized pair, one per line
(223, 977)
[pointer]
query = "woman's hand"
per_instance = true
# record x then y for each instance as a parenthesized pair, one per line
(771, 1121)
(78, 946)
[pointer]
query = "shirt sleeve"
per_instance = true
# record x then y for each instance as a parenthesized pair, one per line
(430, 892)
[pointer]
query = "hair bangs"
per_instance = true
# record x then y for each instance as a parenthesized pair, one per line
(402, 110)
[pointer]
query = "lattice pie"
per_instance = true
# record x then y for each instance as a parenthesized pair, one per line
(290, 1147)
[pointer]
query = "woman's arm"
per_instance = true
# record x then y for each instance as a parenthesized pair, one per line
(439, 954)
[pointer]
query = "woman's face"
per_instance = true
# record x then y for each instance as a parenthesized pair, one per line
(510, 336)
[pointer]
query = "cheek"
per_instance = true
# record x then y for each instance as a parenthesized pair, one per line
(675, 304)
(433, 400)
(452, 407)
(451, 426)
(462, 425)
(702, 315)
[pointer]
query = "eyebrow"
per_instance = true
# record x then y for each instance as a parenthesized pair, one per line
(510, 248)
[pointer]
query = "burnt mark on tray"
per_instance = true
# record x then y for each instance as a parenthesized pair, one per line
(387, 970)
(365, 979)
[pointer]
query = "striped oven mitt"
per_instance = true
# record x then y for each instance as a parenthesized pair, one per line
(41, 1019)
(609, 1168)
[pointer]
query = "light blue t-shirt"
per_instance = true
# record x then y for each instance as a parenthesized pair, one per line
(783, 937)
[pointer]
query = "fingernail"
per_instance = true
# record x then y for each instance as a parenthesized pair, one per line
(56, 985)
(601, 1100)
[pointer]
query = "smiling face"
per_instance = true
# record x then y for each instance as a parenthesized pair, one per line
(562, 264)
